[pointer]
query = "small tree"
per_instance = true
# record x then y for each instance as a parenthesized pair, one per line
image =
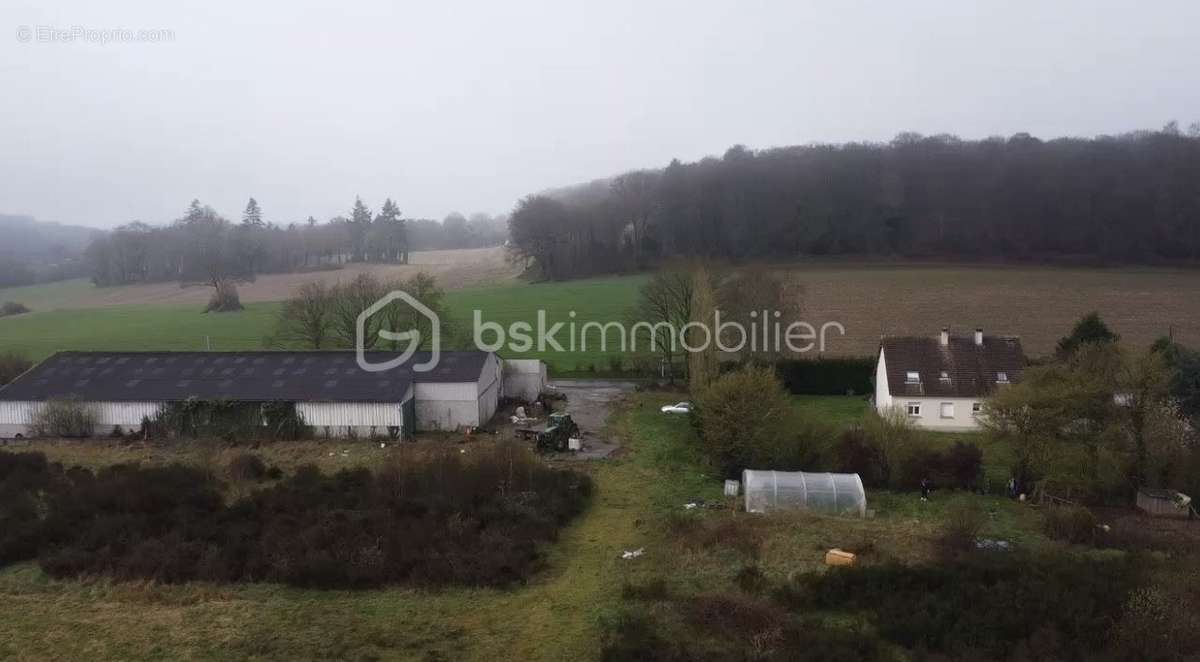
(306, 318)
(744, 419)
(1090, 329)
(703, 366)
(348, 300)
(664, 306)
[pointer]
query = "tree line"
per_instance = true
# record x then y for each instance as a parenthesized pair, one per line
(203, 246)
(1133, 197)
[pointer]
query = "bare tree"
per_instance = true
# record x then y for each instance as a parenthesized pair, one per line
(348, 301)
(306, 318)
(663, 308)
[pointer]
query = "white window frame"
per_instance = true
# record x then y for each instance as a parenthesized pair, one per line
(946, 407)
(945, 377)
(912, 377)
(913, 409)
(1002, 378)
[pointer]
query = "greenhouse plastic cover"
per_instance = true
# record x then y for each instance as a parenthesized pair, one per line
(840, 494)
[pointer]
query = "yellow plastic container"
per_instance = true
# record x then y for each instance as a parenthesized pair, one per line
(838, 557)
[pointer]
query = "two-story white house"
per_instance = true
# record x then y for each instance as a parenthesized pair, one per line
(940, 383)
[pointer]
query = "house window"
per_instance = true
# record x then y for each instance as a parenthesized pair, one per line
(976, 408)
(947, 410)
(1002, 378)
(914, 409)
(912, 377)
(944, 377)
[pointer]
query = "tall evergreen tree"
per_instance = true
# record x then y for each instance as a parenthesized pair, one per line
(252, 216)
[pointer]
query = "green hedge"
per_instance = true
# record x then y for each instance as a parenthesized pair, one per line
(838, 376)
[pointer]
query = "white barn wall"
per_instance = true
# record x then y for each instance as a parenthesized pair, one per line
(446, 406)
(524, 378)
(17, 417)
(351, 418)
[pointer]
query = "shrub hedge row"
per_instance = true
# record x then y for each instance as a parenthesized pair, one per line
(827, 376)
(443, 519)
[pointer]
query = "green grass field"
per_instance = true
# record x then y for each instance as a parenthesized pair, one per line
(40, 334)
(1037, 304)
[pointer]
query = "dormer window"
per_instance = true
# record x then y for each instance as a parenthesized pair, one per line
(944, 377)
(1002, 378)
(912, 377)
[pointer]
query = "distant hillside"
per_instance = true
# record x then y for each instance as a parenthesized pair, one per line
(25, 236)
(33, 251)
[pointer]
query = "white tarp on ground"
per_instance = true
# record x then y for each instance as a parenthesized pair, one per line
(839, 494)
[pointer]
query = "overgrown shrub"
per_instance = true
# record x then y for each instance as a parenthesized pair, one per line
(836, 376)
(430, 520)
(64, 418)
(854, 453)
(744, 418)
(13, 308)
(1075, 524)
(12, 365)
(980, 607)
(224, 299)
(1155, 625)
(247, 467)
(963, 521)
(229, 420)
(958, 466)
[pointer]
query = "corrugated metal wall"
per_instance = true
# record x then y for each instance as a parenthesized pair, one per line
(107, 413)
(355, 414)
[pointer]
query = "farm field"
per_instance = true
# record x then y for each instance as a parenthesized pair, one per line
(638, 498)
(1038, 304)
(454, 269)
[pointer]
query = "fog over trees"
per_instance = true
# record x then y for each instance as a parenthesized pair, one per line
(1131, 198)
(202, 246)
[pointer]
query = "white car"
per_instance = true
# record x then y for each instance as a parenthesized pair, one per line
(678, 408)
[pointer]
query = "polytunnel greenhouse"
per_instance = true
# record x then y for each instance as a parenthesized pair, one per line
(838, 494)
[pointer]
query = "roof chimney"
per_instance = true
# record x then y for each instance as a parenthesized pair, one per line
(945, 339)
(979, 337)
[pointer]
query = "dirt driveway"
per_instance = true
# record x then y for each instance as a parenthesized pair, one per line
(589, 402)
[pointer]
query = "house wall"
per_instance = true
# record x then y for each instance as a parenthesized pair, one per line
(524, 378)
(931, 415)
(883, 395)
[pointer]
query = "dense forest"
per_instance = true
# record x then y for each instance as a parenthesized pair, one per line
(203, 246)
(1131, 198)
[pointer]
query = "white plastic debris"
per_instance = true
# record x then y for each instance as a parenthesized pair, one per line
(633, 554)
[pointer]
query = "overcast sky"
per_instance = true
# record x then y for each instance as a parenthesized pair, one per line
(467, 106)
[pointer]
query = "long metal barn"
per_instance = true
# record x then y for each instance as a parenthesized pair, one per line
(334, 395)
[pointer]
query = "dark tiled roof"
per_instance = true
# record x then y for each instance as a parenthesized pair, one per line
(971, 370)
(247, 376)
